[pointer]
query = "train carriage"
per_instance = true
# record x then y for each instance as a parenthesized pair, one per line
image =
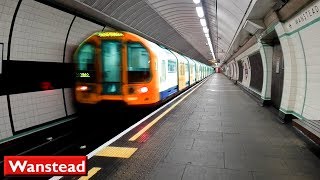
(167, 70)
(192, 71)
(182, 71)
(198, 71)
(124, 67)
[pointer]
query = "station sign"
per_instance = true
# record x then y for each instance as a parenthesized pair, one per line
(110, 34)
(307, 15)
(45, 165)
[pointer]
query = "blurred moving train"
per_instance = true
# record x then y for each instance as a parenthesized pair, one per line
(124, 67)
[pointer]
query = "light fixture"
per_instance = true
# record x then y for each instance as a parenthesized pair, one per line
(203, 22)
(196, 1)
(205, 30)
(200, 11)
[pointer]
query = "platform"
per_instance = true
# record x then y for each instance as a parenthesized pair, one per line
(215, 132)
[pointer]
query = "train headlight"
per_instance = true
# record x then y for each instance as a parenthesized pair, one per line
(144, 89)
(82, 88)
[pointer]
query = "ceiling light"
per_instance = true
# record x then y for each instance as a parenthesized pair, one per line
(205, 29)
(203, 22)
(200, 12)
(196, 1)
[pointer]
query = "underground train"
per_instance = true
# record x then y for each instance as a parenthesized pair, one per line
(118, 66)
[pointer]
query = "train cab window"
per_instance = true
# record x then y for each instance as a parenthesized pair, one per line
(86, 57)
(138, 63)
(85, 63)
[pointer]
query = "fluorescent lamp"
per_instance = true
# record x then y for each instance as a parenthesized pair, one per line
(196, 1)
(203, 22)
(200, 11)
(205, 29)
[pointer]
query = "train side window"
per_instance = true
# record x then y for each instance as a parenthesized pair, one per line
(163, 71)
(138, 63)
(172, 66)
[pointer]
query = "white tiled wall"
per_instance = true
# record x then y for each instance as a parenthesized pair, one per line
(298, 73)
(290, 70)
(7, 8)
(235, 70)
(311, 43)
(244, 57)
(34, 108)
(288, 91)
(246, 79)
(237, 67)
(302, 66)
(5, 128)
(266, 52)
(231, 69)
(80, 30)
(68, 93)
(39, 32)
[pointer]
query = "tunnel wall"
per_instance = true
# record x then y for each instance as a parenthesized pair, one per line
(243, 58)
(300, 43)
(7, 9)
(36, 78)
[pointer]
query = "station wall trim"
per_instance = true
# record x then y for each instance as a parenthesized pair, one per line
(8, 59)
(64, 59)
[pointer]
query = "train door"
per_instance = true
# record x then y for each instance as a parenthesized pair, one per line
(182, 77)
(277, 75)
(111, 67)
(187, 72)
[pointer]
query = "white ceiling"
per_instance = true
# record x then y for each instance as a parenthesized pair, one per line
(182, 16)
(175, 23)
(230, 14)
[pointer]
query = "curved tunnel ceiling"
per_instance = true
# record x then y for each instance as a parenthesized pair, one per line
(170, 23)
(224, 17)
(182, 16)
(176, 24)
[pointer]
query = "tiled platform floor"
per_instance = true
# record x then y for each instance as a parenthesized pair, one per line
(228, 136)
(218, 132)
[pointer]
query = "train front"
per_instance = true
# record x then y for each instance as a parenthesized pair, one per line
(116, 67)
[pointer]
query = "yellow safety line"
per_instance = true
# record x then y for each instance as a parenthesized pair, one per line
(119, 152)
(136, 136)
(92, 172)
